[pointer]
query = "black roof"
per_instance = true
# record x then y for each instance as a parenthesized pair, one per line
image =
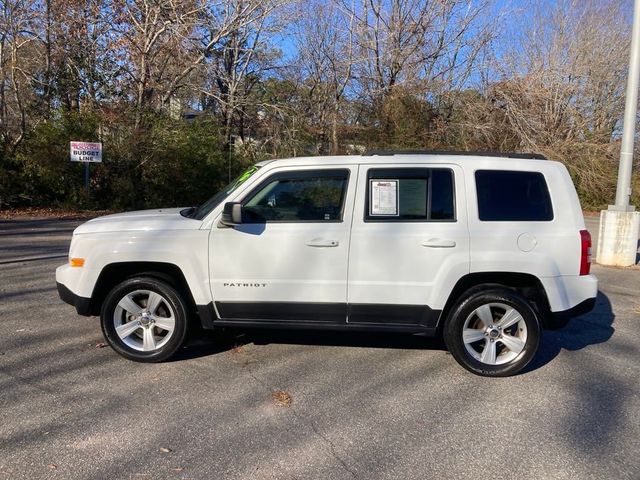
(533, 156)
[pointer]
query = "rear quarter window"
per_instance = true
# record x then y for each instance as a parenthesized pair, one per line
(505, 195)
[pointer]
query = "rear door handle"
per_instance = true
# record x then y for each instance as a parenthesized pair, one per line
(439, 243)
(321, 242)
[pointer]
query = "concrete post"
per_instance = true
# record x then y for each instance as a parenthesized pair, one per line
(620, 224)
(618, 238)
(623, 190)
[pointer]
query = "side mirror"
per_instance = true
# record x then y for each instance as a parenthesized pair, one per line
(232, 214)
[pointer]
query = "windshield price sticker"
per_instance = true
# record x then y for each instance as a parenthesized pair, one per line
(384, 197)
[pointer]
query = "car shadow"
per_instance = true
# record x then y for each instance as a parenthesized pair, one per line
(203, 343)
(345, 339)
(589, 329)
(592, 328)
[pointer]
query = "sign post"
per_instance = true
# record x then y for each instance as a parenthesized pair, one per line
(86, 152)
(86, 177)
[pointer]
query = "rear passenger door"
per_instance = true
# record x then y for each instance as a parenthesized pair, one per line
(409, 243)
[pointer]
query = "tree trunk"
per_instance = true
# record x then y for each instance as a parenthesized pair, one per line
(334, 129)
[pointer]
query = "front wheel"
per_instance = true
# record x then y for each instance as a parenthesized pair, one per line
(493, 333)
(144, 319)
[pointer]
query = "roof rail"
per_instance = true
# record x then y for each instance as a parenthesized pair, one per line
(533, 156)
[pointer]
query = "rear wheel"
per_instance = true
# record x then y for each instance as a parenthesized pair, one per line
(493, 333)
(144, 319)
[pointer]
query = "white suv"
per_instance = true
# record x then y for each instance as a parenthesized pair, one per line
(483, 249)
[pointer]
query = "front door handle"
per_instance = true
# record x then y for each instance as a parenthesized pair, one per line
(439, 243)
(321, 242)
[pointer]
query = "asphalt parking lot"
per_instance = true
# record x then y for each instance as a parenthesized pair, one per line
(363, 406)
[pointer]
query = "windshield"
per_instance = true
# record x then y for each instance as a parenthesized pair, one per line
(204, 209)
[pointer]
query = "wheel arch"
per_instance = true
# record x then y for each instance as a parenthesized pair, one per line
(526, 284)
(114, 273)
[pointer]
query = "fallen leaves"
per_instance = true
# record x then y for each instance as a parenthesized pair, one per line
(282, 398)
(165, 450)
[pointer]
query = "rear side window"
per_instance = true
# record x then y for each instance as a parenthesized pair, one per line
(409, 195)
(513, 196)
(303, 196)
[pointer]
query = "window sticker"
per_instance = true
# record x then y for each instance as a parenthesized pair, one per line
(384, 197)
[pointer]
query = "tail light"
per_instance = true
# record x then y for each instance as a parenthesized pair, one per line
(585, 256)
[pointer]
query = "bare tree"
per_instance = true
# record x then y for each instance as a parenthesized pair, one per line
(237, 53)
(19, 20)
(564, 78)
(415, 48)
(562, 86)
(152, 34)
(325, 46)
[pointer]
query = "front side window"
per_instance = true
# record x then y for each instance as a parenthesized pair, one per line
(304, 196)
(410, 194)
(513, 196)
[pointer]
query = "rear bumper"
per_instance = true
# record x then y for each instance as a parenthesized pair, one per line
(582, 308)
(81, 304)
(569, 292)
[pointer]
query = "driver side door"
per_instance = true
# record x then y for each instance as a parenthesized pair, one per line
(287, 261)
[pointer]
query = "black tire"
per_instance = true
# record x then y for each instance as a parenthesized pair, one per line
(172, 306)
(469, 355)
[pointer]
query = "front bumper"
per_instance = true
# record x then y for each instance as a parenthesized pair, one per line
(75, 287)
(81, 304)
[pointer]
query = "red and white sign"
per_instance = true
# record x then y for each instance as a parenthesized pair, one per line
(87, 152)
